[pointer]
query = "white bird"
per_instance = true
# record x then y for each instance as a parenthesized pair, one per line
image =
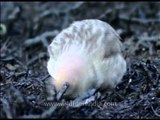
(86, 55)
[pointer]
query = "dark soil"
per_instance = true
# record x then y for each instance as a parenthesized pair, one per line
(30, 28)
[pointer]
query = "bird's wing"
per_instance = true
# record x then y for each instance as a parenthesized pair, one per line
(95, 36)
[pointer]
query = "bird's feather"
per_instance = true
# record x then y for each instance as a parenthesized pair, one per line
(96, 48)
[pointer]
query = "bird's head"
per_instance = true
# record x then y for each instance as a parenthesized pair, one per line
(72, 67)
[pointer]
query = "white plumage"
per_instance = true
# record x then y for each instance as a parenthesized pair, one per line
(87, 55)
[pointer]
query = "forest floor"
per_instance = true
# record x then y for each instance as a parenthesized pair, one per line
(27, 28)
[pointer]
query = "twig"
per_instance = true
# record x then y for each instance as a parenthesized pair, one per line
(18, 96)
(77, 5)
(46, 114)
(139, 20)
(45, 77)
(4, 47)
(36, 58)
(6, 108)
(15, 13)
(151, 38)
(63, 90)
(158, 115)
(108, 11)
(41, 38)
(146, 42)
(104, 14)
(58, 12)
(20, 63)
(12, 57)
